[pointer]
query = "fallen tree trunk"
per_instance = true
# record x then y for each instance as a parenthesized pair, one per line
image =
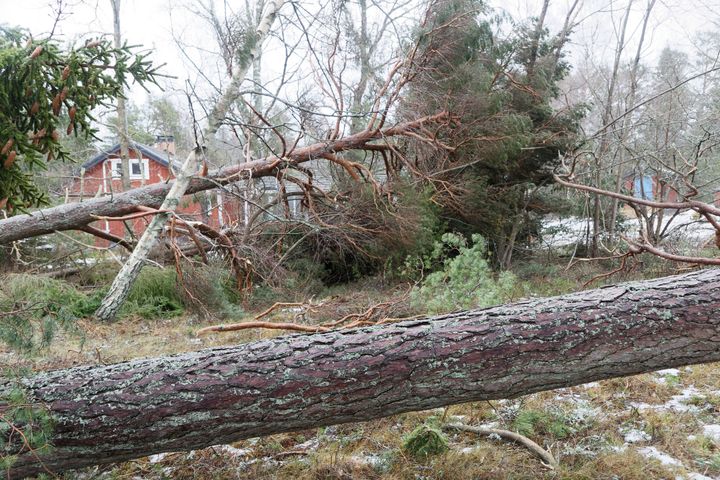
(74, 216)
(111, 413)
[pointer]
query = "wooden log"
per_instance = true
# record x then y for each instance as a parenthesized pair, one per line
(106, 414)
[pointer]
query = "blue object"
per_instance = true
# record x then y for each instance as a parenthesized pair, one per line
(643, 187)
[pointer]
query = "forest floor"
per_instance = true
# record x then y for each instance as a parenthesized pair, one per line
(664, 425)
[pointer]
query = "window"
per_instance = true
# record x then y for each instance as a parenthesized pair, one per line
(138, 168)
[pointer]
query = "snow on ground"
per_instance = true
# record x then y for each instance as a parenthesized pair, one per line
(563, 232)
(677, 403)
(634, 435)
(712, 431)
(664, 458)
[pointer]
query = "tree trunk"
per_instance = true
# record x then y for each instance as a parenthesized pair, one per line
(120, 288)
(105, 414)
(627, 118)
(73, 216)
(121, 112)
(604, 138)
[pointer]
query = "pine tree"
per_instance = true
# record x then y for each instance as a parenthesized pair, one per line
(506, 136)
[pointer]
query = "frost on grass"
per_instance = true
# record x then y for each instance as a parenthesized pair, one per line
(678, 403)
(635, 436)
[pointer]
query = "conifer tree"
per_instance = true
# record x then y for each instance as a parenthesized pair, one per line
(506, 136)
(46, 89)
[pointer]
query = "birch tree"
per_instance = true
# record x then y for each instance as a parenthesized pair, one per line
(122, 123)
(131, 269)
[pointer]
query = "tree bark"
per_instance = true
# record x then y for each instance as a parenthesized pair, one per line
(73, 216)
(106, 414)
(121, 111)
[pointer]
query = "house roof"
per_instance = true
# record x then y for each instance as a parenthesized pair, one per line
(163, 158)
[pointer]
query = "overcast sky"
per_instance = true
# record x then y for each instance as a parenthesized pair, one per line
(152, 22)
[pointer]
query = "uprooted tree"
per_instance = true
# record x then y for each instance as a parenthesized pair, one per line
(110, 413)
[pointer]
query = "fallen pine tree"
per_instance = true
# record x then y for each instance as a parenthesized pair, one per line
(77, 216)
(105, 414)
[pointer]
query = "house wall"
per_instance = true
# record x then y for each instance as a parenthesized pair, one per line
(660, 192)
(99, 180)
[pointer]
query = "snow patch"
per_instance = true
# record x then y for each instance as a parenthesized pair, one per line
(677, 403)
(375, 461)
(664, 458)
(158, 457)
(712, 431)
(693, 476)
(234, 452)
(634, 435)
(311, 444)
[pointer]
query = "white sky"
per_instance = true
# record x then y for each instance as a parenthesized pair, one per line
(150, 23)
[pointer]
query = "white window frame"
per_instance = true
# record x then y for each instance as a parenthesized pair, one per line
(115, 167)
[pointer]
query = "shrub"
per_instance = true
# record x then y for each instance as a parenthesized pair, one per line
(154, 294)
(426, 440)
(463, 278)
(209, 290)
(33, 307)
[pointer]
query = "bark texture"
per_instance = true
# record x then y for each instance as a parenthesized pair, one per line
(106, 414)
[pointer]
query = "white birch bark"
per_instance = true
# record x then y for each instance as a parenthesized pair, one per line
(131, 269)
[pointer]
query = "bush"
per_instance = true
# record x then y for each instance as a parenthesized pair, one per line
(363, 233)
(209, 290)
(33, 307)
(463, 278)
(424, 441)
(154, 294)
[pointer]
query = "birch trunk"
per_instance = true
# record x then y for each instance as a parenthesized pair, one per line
(120, 287)
(121, 112)
(604, 139)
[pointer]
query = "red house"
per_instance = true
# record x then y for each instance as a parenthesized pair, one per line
(650, 187)
(101, 176)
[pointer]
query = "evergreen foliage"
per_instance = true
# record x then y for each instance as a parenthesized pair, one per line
(426, 440)
(154, 294)
(34, 306)
(462, 278)
(45, 90)
(506, 137)
(24, 426)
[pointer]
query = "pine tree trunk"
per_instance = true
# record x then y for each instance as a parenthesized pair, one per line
(106, 414)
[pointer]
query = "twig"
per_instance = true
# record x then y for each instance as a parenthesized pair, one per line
(522, 440)
(269, 325)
